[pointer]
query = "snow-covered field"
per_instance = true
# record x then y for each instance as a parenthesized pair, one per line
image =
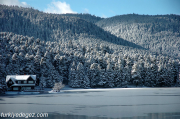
(127, 103)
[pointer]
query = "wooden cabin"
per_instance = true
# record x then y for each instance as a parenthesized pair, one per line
(20, 82)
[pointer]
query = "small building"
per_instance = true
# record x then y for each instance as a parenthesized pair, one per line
(20, 82)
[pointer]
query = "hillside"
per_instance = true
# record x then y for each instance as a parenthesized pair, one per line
(54, 27)
(72, 49)
(159, 33)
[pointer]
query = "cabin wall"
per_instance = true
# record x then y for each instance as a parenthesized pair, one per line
(19, 88)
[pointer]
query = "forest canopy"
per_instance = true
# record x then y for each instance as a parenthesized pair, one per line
(87, 51)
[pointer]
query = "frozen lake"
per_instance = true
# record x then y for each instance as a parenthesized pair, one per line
(122, 103)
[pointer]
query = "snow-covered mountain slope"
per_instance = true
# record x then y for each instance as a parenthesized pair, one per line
(83, 66)
(159, 33)
(54, 27)
(72, 49)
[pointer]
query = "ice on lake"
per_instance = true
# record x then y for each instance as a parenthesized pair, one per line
(122, 103)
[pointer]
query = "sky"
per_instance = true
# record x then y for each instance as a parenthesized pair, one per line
(101, 8)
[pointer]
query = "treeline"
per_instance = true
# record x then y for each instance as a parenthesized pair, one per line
(83, 66)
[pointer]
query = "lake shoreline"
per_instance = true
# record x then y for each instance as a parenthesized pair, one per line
(70, 89)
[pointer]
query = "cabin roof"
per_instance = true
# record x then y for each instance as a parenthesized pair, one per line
(19, 77)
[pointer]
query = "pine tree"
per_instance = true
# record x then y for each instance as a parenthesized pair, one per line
(72, 75)
(93, 75)
(82, 77)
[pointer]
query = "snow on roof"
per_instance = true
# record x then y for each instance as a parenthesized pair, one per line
(22, 77)
(33, 77)
(19, 77)
(13, 79)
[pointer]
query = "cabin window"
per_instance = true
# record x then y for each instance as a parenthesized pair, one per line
(27, 88)
(25, 81)
(15, 88)
(30, 82)
(10, 82)
(19, 82)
